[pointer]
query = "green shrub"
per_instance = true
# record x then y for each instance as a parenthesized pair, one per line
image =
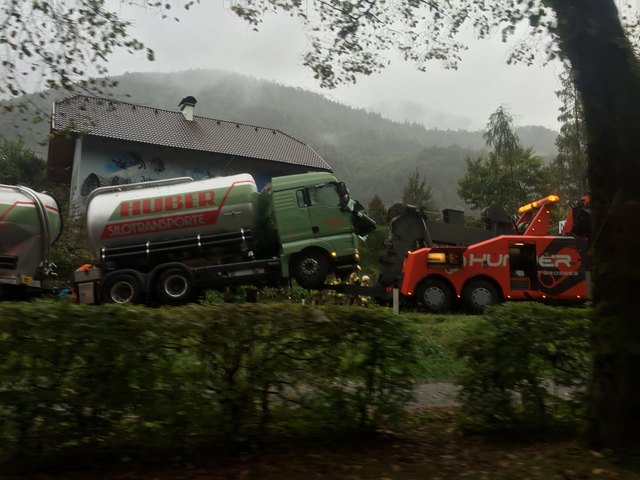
(436, 338)
(526, 367)
(251, 294)
(89, 382)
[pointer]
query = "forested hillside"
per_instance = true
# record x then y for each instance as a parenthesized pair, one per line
(372, 154)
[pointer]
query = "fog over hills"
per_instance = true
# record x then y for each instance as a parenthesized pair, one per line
(374, 155)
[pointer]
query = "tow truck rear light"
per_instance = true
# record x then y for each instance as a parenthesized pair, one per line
(438, 257)
(444, 259)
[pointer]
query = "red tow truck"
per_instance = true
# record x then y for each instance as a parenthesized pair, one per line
(529, 264)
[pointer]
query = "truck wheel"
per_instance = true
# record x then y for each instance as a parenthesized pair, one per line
(310, 269)
(174, 287)
(121, 288)
(434, 295)
(479, 294)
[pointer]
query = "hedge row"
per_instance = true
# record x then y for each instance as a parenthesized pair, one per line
(526, 367)
(113, 381)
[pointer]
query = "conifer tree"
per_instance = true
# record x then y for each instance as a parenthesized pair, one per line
(569, 168)
(377, 211)
(509, 175)
(417, 192)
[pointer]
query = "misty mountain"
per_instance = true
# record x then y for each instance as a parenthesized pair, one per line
(374, 155)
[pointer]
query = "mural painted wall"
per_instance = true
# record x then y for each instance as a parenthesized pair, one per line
(104, 163)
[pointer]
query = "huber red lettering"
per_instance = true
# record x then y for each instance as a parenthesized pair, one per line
(130, 208)
(206, 198)
(173, 203)
(188, 200)
(125, 208)
(155, 207)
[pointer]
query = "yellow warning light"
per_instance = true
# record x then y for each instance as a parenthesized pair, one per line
(334, 254)
(537, 203)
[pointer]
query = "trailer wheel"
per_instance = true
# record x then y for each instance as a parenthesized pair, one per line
(121, 288)
(174, 287)
(434, 295)
(310, 269)
(479, 294)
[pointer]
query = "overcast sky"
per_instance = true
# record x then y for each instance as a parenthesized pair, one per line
(210, 36)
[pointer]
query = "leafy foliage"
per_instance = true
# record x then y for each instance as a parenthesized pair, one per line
(417, 192)
(81, 383)
(377, 211)
(375, 244)
(569, 167)
(20, 166)
(437, 338)
(61, 43)
(372, 249)
(71, 250)
(500, 135)
(516, 358)
(350, 38)
(509, 175)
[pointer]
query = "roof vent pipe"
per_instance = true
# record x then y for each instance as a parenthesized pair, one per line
(187, 105)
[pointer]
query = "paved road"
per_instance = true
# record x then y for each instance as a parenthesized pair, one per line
(429, 395)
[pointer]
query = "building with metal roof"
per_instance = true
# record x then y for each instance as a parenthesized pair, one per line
(96, 142)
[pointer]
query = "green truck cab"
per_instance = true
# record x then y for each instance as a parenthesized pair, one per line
(317, 225)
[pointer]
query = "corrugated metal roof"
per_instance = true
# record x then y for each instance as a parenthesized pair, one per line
(125, 121)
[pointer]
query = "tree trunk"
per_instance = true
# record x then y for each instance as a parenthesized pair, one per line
(607, 76)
